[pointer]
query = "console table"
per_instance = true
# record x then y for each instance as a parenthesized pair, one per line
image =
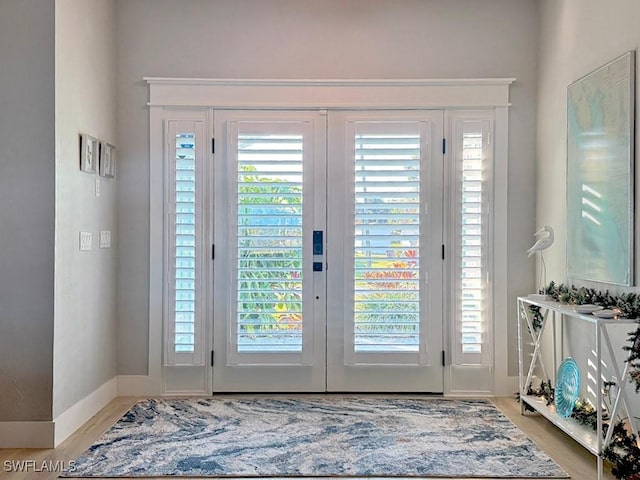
(559, 314)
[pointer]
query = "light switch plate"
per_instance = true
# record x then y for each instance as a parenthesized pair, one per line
(86, 239)
(105, 238)
(97, 187)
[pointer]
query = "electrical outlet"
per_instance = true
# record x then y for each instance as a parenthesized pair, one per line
(97, 187)
(86, 240)
(105, 238)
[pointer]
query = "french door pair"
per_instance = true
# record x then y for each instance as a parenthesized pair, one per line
(328, 233)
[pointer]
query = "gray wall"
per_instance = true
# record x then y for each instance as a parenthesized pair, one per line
(85, 282)
(576, 37)
(313, 39)
(27, 201)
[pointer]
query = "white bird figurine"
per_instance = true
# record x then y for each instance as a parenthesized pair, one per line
(544, 242)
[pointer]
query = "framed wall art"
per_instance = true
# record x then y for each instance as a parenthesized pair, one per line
(89, 152)
(107, 160)
(600, 174)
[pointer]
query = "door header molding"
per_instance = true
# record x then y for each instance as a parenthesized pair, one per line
(329, 94)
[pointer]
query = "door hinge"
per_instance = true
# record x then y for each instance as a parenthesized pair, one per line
(443, 358)
(444, 146)
(212, 358)
(213, 251)
(442, 251)
(213, 145)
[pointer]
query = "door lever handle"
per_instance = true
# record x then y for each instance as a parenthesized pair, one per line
(317, 243)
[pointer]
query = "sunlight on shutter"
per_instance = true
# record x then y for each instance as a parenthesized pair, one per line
(387, 253)
(473, 216)
(270, 243)
(185, 243)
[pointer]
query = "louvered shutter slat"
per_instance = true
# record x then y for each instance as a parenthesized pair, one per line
(386, 243)
(471, 231)
(184, 178)
(269, 243)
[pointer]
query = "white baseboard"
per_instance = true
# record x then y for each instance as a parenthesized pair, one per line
(50, 434)
(74, 417)
(27, 434)
(139, 386)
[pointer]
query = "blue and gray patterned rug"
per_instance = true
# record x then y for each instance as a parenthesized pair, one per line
(313, 435)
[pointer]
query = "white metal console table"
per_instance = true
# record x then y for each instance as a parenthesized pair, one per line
(595, 442)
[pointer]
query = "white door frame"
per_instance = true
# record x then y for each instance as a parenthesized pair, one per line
(172, 94)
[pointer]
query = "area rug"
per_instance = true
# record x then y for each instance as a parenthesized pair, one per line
(300, 436)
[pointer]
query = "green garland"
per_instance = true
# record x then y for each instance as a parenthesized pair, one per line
(536, 317)
(627, 465)
(627, 303)
(634, 357)
(585, 414)
(623, 451)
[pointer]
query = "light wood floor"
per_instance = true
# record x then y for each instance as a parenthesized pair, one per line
(568, 454)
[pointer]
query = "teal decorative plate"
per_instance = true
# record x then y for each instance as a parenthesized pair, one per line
(567, 387)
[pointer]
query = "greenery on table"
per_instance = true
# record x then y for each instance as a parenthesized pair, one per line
(627, 303)
(623, 451)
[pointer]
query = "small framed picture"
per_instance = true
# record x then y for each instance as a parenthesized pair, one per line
(88, 153)
(107, 160)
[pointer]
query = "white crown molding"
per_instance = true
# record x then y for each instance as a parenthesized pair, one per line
(329, 82)
(329, 94)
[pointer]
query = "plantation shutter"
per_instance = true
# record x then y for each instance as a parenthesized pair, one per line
(184, 232)
(388, 310)
(471, 156)
(386, 242)
(271, 318)
(269, 242)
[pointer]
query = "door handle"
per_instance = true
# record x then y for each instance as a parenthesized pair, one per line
(317, 242)
(318, 249)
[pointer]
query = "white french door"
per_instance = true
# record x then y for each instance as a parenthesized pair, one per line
(385, 299)
(328, 237)
(269, 302)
